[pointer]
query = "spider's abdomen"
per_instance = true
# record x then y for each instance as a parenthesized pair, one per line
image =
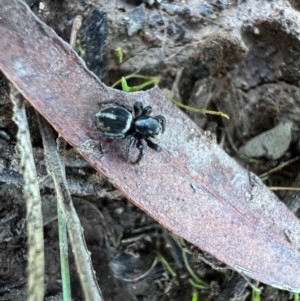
(147, 126)
(114, 121)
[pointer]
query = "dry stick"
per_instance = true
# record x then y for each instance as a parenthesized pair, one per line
(279, 167)
(85, 270)
(35, 237)
(276, 188)
(76, 26)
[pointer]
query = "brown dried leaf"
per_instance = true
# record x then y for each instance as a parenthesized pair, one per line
(193, 187)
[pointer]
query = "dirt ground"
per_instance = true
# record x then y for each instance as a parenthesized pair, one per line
(240, 57)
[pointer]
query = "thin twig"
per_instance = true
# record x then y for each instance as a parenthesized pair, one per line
(35, 237)
(279, 167)
(84, 266)
(276, 188)
(76, 25)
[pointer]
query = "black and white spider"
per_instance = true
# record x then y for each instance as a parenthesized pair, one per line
(118, 121)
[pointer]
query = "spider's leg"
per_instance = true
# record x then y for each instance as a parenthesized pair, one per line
(147, 111)
(140, 146)
(138, 109)
(162, 121)
(130, 145)
(117, 103)
(153, 145)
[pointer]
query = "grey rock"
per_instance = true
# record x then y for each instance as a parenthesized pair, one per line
(271, 144)
(135, 20)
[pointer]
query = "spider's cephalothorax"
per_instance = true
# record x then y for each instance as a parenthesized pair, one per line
(117, 121)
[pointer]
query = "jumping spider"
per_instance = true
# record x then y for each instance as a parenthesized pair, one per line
(118, 121)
